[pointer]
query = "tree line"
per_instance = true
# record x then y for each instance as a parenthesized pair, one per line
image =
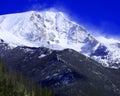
(13, 83)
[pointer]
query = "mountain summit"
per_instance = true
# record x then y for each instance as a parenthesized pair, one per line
(54, 30)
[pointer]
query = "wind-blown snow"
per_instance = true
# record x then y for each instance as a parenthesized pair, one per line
(55, 31)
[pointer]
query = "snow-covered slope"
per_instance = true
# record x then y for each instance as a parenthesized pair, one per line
(54, 30)
(47, 28)
(112, 52)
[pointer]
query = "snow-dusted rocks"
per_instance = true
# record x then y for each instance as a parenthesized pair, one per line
(55, 31)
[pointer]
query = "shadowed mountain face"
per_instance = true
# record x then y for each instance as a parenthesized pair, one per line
(67, 71)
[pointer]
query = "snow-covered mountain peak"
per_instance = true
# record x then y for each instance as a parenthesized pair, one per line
(54, 30)
(41, 29)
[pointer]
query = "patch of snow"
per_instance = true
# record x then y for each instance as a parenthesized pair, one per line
(42, 55)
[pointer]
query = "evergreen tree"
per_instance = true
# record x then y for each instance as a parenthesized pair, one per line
(14, 84)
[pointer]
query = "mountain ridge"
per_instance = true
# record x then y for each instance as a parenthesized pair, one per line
(68, 72)
(51, 29)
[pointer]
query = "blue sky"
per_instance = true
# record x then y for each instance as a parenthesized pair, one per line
(95, 15)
